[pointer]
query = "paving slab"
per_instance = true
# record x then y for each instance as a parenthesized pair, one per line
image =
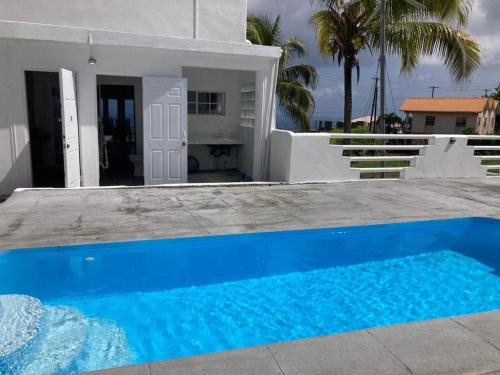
(128, 370)
(352, 353)
(252, 361)
(485, 325)
(438, 347)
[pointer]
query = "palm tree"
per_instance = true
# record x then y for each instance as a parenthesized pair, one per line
(295, 82)
(414, 28)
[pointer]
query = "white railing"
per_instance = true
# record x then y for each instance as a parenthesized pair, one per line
(388, 157)
(379, 136)
(298, 157)
(493, 168)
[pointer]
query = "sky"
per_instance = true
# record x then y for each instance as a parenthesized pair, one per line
(484, 26)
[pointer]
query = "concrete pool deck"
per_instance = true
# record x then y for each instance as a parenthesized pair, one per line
(462, 345)
(55, 217)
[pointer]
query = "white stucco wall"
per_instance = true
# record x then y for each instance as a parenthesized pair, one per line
(299, 157)
(223, 20)
(17, 56)
(444, 159)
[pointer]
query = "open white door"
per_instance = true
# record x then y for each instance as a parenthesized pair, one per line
(71, 146)
(165, 130)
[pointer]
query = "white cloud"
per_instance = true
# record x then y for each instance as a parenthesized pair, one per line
(329, 92)
(485, 28)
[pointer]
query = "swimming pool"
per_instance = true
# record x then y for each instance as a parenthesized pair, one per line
(104, 305)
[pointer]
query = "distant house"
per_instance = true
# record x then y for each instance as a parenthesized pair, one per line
(452, 115)
(366, 120)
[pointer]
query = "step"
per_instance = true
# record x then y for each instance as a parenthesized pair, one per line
(491, 166)
(57, 346)
(61, 340)
(486, 148)
(380, 136)
(488, 157)
(380, 170)
(384, 147)
(20, 320)
(382, 158)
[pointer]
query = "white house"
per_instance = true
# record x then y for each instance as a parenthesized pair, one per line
(92, 89)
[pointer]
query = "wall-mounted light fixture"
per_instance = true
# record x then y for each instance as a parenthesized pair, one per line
(92, 60)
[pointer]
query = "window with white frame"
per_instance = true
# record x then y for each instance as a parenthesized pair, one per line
(430, 120)
(248, 105)
(461, 121)
(206, 103)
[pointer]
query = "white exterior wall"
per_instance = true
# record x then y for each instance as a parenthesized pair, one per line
(221, 20)
(443, 159)
(445, 123)
(22, 56)
(17, 56)
(299, 157)
(483, 123)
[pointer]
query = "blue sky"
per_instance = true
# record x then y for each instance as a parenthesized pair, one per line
(484, 26)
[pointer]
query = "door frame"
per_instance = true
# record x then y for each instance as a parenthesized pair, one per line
(24, 101)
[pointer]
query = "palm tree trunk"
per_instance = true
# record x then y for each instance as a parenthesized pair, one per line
(347, 95)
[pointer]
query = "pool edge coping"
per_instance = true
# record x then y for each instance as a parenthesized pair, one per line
(394, 346)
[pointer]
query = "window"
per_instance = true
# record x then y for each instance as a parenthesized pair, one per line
(192, 102)
(430, 120)
(248, 105)
(206, 103)
(461, 121)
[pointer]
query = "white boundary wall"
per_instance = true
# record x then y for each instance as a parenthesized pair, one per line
(298, 158)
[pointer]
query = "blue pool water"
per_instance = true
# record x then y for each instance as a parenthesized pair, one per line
(105, 305)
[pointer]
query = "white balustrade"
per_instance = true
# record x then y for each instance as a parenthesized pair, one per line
(321, 157)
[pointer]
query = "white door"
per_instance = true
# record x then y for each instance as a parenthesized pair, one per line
(71, 149)
(165, 130)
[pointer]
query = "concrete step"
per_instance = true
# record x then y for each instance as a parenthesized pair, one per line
(382, 158)
(381, 170)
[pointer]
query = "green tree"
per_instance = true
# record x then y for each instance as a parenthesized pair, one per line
(496, 93)
(414, 28)
(295, 82)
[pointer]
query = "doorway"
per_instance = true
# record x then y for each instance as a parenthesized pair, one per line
(120, 149)
(45, 128)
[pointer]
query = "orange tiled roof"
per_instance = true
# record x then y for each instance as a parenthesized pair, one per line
(452, 105)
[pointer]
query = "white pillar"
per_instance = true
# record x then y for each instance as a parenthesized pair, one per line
(265, 119)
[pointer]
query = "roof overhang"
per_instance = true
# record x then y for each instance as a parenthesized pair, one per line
(65, 34)
(436, 111)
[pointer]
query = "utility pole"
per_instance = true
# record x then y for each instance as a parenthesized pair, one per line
(433, 88)
(382, 66)
(373, 113)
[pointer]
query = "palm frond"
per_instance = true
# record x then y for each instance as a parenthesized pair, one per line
(294, 81)
(304, 73)
(296, 102)
(460, 53)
